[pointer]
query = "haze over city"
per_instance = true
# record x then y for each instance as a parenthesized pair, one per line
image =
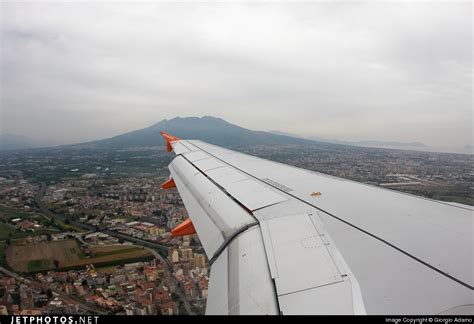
(75, 72)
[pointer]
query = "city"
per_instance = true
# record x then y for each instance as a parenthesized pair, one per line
(80, 237)
(90, 233)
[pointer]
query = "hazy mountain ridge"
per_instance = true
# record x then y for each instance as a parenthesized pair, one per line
(209, 129)
(215, 131)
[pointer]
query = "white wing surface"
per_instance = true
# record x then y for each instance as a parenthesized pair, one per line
(284, 240)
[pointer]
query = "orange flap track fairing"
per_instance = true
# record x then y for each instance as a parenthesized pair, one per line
(185, 228)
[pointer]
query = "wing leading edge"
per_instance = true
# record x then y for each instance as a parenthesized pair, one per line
(284, 240)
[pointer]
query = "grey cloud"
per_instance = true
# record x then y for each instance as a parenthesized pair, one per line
(368, 70)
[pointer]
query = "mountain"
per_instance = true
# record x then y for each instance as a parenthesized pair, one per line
(209, 129)
(212, 130)
(15, 142)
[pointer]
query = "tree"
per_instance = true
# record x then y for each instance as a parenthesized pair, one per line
(8, 241)
(67, 222)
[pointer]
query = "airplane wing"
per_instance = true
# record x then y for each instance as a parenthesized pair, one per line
(284, 240)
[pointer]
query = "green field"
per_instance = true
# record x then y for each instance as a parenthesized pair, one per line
(68, 254)
(41, 264)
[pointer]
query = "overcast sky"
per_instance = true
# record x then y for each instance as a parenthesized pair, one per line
(363, 70)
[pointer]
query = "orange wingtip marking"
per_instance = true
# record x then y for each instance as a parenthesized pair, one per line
(185, 228)
(169, 139)
(168, 184)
